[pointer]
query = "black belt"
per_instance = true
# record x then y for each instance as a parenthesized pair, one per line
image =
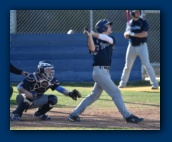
(137, 44)
(105, 67)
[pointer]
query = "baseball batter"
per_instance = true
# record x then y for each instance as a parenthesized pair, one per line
(101, 46)
(32, 89)
(137, 32)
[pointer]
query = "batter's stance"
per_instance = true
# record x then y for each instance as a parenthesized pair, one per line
(101, 46)
(137, 32)
(32, 89)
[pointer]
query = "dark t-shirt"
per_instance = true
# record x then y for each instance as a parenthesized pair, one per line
(137, 27)
(102, 55)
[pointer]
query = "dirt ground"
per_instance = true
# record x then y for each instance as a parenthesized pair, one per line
(91, 118)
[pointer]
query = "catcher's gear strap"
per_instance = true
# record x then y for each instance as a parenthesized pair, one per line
(62, 90)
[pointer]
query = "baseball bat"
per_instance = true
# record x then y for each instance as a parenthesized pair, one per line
(128, 19)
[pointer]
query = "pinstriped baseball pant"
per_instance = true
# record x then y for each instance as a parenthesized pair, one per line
(103, 81)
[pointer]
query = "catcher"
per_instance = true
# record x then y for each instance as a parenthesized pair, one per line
(32, 89)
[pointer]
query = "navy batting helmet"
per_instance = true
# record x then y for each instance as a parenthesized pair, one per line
(101, 25)
(132, 12)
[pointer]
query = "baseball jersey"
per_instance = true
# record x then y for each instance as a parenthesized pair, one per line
(36, 84)
(102, 55)
(137, 27)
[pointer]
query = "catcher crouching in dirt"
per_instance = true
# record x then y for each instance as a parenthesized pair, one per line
(32, 89)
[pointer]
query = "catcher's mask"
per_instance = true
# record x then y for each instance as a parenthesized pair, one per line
(101, 25)
(47, 69)
(132, 12)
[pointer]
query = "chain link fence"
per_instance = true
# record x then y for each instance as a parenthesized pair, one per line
(61, 21)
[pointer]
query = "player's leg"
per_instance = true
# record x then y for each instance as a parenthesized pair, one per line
(144, 56)
(108, 85)
(104, 80)
(23, 105)
(129, 60)
(44, 104)
(97, 90)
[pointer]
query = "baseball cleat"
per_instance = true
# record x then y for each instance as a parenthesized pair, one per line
(121, 86)
(134, 119)
(16, 117)
(154, 87)
(73, 118)
(42, 117)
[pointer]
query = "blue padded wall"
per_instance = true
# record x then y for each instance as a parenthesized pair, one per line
(68, 53)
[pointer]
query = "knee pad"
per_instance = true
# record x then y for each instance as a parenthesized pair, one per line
(52, 100)
(19, 99)
(11, 91)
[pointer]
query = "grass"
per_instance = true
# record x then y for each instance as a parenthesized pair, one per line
(145, 96)
(136, 94)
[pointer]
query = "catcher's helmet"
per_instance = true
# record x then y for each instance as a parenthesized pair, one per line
(42, 68)
(132, 12)
(101, 25)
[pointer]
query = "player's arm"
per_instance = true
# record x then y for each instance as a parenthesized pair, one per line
(25, 85)
(102, 37)
(24, 91)
(73, 94)
(15, 70)
(91, 44)
(142, 34)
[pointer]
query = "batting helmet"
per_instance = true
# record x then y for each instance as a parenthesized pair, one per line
(101, 25)
(46, 65)
(132, 13)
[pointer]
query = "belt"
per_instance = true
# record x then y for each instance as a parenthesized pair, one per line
(137, 44)
(105, 67)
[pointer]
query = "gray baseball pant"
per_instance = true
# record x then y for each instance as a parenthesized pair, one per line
(37, 103)
(103, 81)
(131, 54)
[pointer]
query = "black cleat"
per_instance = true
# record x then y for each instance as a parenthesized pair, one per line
(134, 119)
(73, 118)
(16, 117)
(42, 117)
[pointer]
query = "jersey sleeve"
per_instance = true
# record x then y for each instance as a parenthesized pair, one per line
(15, 70)
(145, 26)
(28, 82)
(55, 84)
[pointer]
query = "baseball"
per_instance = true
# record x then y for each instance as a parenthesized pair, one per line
(70, 32)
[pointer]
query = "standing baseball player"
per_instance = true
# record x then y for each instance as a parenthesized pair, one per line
(101, 46)
(32, 89)
(137, 32)
(15, 70)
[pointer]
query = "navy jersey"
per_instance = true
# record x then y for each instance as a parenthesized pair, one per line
(102, 55)
(137, 27)
(35, 83)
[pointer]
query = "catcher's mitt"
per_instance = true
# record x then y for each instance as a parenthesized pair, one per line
(74, 94)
